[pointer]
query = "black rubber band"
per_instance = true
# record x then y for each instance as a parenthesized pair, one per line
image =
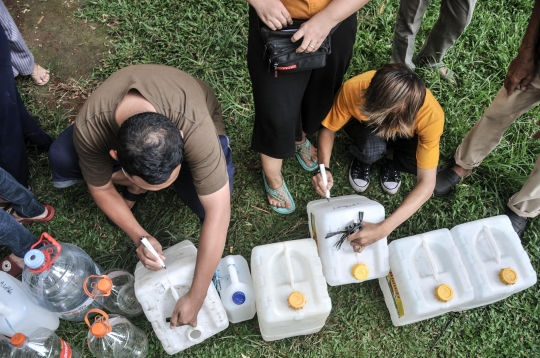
(319, 170)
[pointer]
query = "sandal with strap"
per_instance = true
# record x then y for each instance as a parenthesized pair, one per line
(304, 149)
(10, 267)
(27, 221)
(281, 194)
(126, 194)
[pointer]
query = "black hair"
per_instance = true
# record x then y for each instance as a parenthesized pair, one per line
(149, 146)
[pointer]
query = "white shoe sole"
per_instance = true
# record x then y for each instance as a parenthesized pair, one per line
(356, 187)
(390, 191)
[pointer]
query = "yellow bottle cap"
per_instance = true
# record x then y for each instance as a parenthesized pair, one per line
(296, 300)
(444, 293)
(508, 276)
(360, 272)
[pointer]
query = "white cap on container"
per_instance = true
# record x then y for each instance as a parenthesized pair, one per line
(34, 259)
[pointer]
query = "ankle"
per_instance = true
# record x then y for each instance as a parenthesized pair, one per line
(462, 172)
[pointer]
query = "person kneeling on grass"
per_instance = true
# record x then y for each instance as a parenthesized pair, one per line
(392, 116)
(145, 128)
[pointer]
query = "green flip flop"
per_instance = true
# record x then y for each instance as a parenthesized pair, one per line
(304, 149)
(281, 194)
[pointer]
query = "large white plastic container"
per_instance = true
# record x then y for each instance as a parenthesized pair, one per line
(496, 262)
(345, 266)
(427, 278)
(18, 314)
(235, 287)
(158, 291)
(290, 289)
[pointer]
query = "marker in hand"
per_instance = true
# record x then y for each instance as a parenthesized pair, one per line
(147, 244)
(325, 181)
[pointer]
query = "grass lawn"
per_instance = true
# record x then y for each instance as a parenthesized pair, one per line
(208, 39)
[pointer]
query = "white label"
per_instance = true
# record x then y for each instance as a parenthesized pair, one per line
(86, 304)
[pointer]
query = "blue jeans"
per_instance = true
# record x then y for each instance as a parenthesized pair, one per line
(12, 234)
(64, 163)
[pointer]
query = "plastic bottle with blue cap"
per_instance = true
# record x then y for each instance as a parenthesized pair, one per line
(234, 284)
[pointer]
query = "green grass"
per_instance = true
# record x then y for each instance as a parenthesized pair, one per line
(208, 39)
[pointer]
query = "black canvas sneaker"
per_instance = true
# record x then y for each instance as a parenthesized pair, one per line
(389, 177)
(359, 175)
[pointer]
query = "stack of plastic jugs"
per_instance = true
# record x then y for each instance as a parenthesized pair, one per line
(41, 343)
(53, 278)
(115, 337)
(115, 291)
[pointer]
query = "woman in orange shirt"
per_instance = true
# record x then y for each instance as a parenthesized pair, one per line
(390, 115)
(292, 105)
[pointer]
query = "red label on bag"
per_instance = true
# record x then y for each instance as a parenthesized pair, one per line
(284, 68)
(66, 350)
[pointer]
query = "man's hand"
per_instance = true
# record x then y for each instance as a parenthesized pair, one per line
(272, 12)
(147, 258)
(318, 183)
(313, 32)
(369, 234)
(185, 311)
(520, 72)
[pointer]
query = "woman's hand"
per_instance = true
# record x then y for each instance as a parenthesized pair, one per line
(369, 234)
(318, 184)
(314, 31)
(186, 311)
(272, 12)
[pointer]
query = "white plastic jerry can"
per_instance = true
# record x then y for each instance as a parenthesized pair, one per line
(158, 291)
(497, 264)
(233, 282)
(427, 278)
(290, 289)
(18, 314)
(342, 265)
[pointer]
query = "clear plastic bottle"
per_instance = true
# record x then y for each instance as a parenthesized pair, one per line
(41, 343)
(53, 278)
(115, 291)
(115, 337)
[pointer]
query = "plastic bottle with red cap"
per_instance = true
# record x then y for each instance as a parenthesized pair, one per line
(115, 291)
(53, 277)
(115, 336)
(41, 343)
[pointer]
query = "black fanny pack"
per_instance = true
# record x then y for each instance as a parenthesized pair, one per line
(280, 51)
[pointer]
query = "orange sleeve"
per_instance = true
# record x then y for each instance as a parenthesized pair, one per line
(429, 130)
(339, 114)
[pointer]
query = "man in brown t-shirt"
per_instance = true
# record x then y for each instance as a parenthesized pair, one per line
(147, 127)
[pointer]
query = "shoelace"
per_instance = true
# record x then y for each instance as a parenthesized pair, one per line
(391, 175)
(360, 171)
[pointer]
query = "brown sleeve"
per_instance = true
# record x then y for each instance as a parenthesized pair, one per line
(94, 160)
(213, 106)
(205, 157)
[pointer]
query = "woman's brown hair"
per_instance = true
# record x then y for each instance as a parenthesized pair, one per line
(392, 101)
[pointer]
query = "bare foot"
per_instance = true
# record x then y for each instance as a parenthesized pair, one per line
(40, 75)
(313, 154)
(276, 183)
(18, 260)
(460, 171)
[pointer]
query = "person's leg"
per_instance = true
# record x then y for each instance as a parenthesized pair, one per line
(16, 238)
(277, 108)
(64, 161)
(32, 132)
(409, 18)
(454, 17)
(22, 60)
(367, 148)
(13, 155)
(526, 202)
(21, 199)
(185, 189)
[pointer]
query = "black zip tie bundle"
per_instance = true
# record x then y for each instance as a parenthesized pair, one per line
(349, 229)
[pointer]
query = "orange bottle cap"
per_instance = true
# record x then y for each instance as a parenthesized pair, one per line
(18, 339)
(297, 300)
(104, 285)
(508, 276)
(99, 329)
(444, 293)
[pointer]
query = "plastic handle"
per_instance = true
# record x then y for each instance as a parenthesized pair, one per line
(4, 310)
(47, 239)
(431, 261)
(493, 244)
(95, 291)
(232, 271)
(102, 316)
(289, 268)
